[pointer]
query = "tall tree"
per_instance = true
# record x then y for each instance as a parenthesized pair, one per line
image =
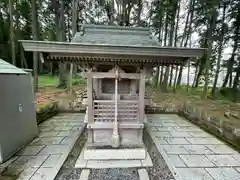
(74, 30)
(170, 16)
(220, 49)
(35, 37)
(186, 34)
(12, 35)
(59, 10)
(175, 41)
(235, 38)
(210, 28)
(139, 10)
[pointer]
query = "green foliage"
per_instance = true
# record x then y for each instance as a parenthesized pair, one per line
(47, 80)
(229, 93)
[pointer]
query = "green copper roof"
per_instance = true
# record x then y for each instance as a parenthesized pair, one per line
(115, 35)
(6, 68)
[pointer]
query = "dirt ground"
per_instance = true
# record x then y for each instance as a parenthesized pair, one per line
(49, 94)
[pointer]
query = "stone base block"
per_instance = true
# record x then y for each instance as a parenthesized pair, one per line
(115, 154)
(101, 164)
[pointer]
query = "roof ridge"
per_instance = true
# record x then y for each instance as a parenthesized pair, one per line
(115, 27)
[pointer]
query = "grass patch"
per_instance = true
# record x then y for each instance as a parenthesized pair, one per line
(47, 80)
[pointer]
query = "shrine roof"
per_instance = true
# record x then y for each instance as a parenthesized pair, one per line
(115, 35)
(112, 44)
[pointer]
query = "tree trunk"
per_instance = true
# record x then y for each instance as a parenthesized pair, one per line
(220, 49)
(230, 64)
(161, 75)
(236, 91)
(198, 79)
(188, 74)
(177, 24)
(175, 79)
(195, 77)
(230, 77)
(172, 20)
(179, 79)
(175, 43)
(157, 77)
(139, 12)
(171, 76)
(61, 37)
(35, 37)
(236, 79)
(160, 40)
(211, 26)
(23, 60)
(40, 67)
(74, 30)
(159, 80)
(11, 9)
(186, 34)
(186, 23)
(19, 46)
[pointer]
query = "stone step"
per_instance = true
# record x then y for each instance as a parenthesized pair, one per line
(115, 154)
(99, 164)
(109, 125)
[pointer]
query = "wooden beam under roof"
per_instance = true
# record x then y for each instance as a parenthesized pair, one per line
(64, 51)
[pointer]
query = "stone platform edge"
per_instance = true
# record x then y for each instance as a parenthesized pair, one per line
(46, 112)
(157, 150)
(65, 156)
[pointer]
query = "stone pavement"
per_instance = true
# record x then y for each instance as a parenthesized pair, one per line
(44, 156)
(191, 153)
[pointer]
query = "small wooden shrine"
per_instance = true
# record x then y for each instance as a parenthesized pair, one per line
(118, 60)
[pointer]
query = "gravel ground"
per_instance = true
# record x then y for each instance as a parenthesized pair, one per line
(160, 170)
(68, 172)
(114, 174)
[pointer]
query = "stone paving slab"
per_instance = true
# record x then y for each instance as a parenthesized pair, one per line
(193, 174)
(196, 161)
(44, 156)
(223, 173)
(190, 152)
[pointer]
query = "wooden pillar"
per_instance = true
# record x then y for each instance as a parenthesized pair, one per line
(90, 104)
(142, 94)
